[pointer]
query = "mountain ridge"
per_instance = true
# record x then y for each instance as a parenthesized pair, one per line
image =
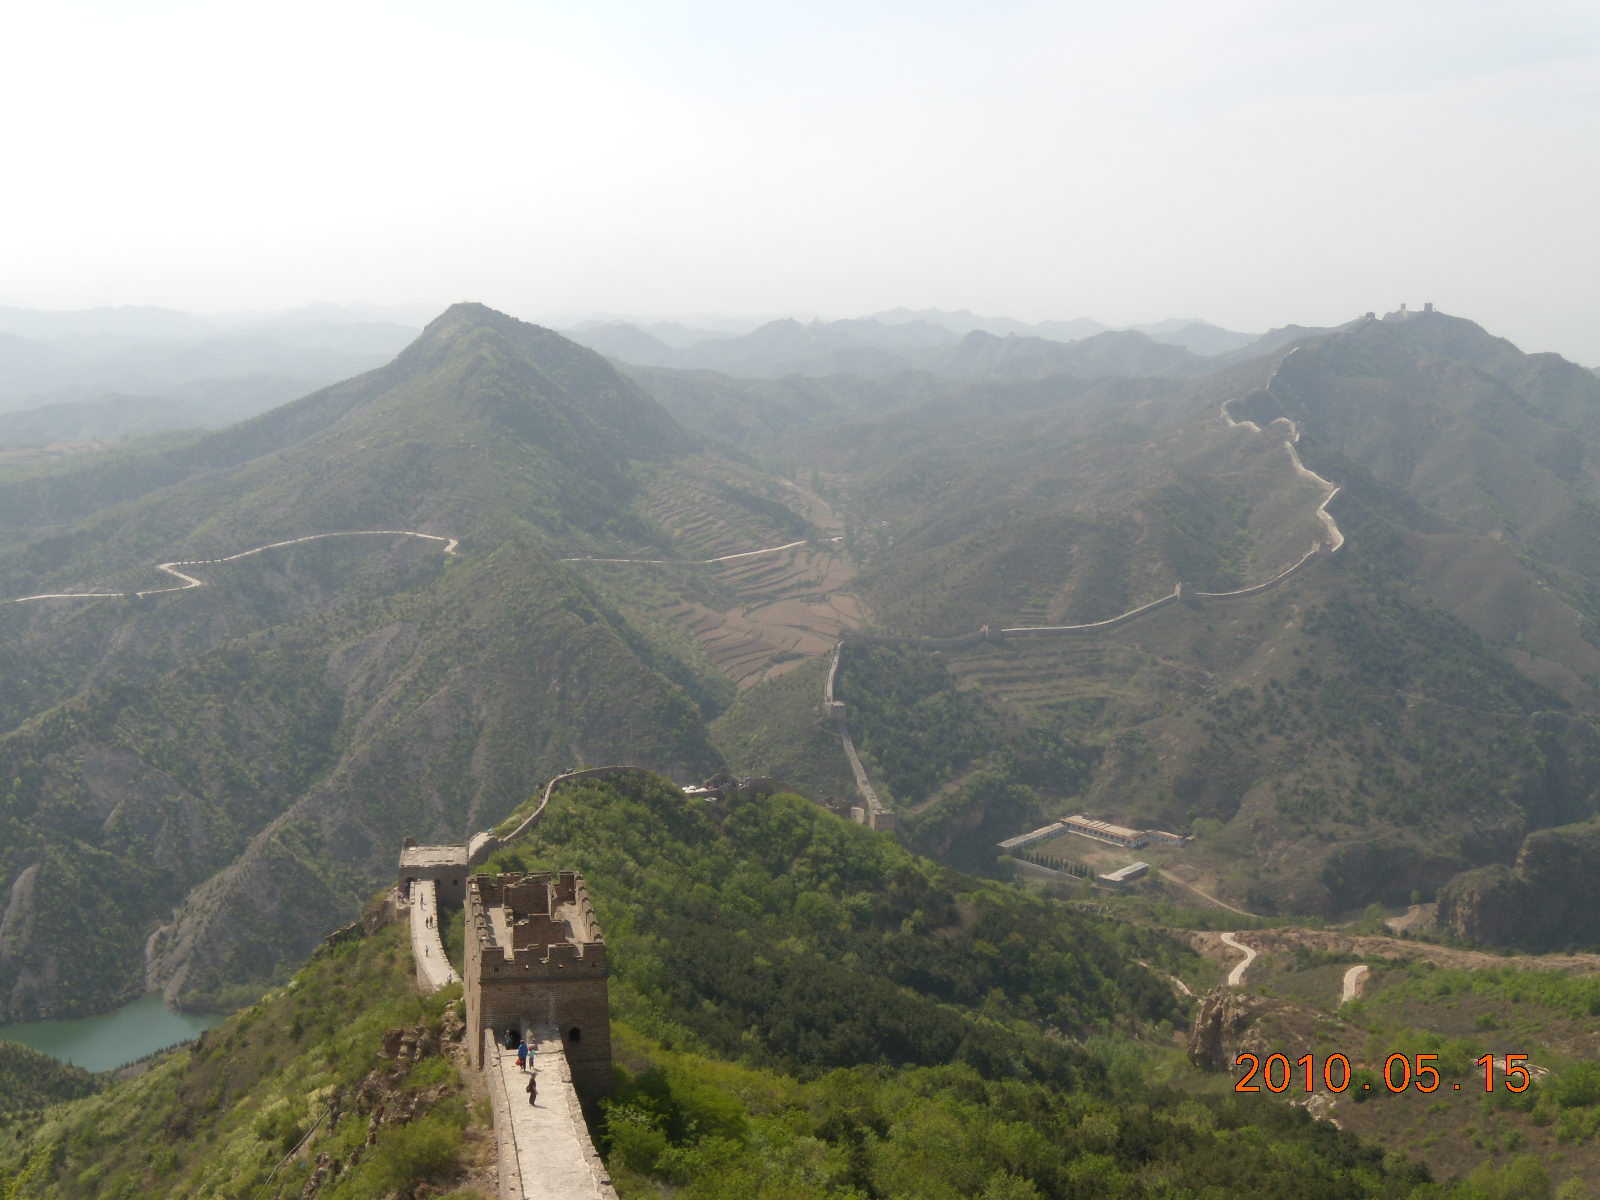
(301, 680)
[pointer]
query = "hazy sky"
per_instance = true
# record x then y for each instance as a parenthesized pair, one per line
(1252, 163)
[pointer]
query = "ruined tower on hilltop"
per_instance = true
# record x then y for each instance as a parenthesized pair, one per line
(536, 962)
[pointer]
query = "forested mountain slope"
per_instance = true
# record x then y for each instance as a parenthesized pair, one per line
(234, 764)
(1409, 708)
(1061, 500)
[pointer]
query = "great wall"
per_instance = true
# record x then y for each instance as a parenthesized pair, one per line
(874, 812)
(535, 966)
(698, 562)
(535, 980)
(189, 581)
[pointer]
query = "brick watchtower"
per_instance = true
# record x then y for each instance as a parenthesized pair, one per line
(535, 960)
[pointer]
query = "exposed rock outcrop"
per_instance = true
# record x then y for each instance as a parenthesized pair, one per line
(1550, 899)
(1224, 1024)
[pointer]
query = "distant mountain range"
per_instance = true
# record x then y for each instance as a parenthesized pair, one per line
(110, 372)
(238, 667)
(115, 372)
(951, 344)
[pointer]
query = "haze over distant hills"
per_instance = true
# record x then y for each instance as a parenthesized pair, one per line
(114, 372)
(110, 372)
(956, 344)
(397, 605)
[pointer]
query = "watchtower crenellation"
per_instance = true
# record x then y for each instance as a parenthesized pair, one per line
(535, 956)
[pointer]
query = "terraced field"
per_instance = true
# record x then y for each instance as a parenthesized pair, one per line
(1067, 677)
(753, 617)
(707, 521)
(788, 607)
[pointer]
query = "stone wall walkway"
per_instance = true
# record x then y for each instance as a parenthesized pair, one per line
(545, 1151)
(427, 948)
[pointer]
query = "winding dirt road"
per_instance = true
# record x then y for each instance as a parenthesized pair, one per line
(189, 581)
(1168, 876)
(1353, 979)
(1236, 976)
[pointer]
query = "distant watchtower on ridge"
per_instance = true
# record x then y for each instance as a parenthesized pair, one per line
(536, 959)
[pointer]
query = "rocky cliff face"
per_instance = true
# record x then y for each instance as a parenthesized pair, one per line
(1224, 1026)
(1550, 899)
(1489, 904)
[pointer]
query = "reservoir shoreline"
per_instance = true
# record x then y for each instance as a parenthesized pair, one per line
(112, 1039)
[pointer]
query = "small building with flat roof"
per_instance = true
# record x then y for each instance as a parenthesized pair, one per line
(1103, 831)
(1027, 839)
(1123, 876)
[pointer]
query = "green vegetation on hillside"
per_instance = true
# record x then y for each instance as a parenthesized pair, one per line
(802, 1009)
(347, 692)
(968, 772)
(685, 1125)
(777, 728)
(835, 947)
(32, 1080)
(1546, 902)
(1458, 1015)
(806, 1010)
(908, 718)
(343, 1066)
(321, 712)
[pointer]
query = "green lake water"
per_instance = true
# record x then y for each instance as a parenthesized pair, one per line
(114, 1039)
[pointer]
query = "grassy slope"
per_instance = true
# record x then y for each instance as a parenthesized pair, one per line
(777, 728)
(216, 1119)
(1343, 741)
(869, 1023)
(799, 900)
(1458, 1006)
(1061, 501)
(353, 726)
(1371, 729)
